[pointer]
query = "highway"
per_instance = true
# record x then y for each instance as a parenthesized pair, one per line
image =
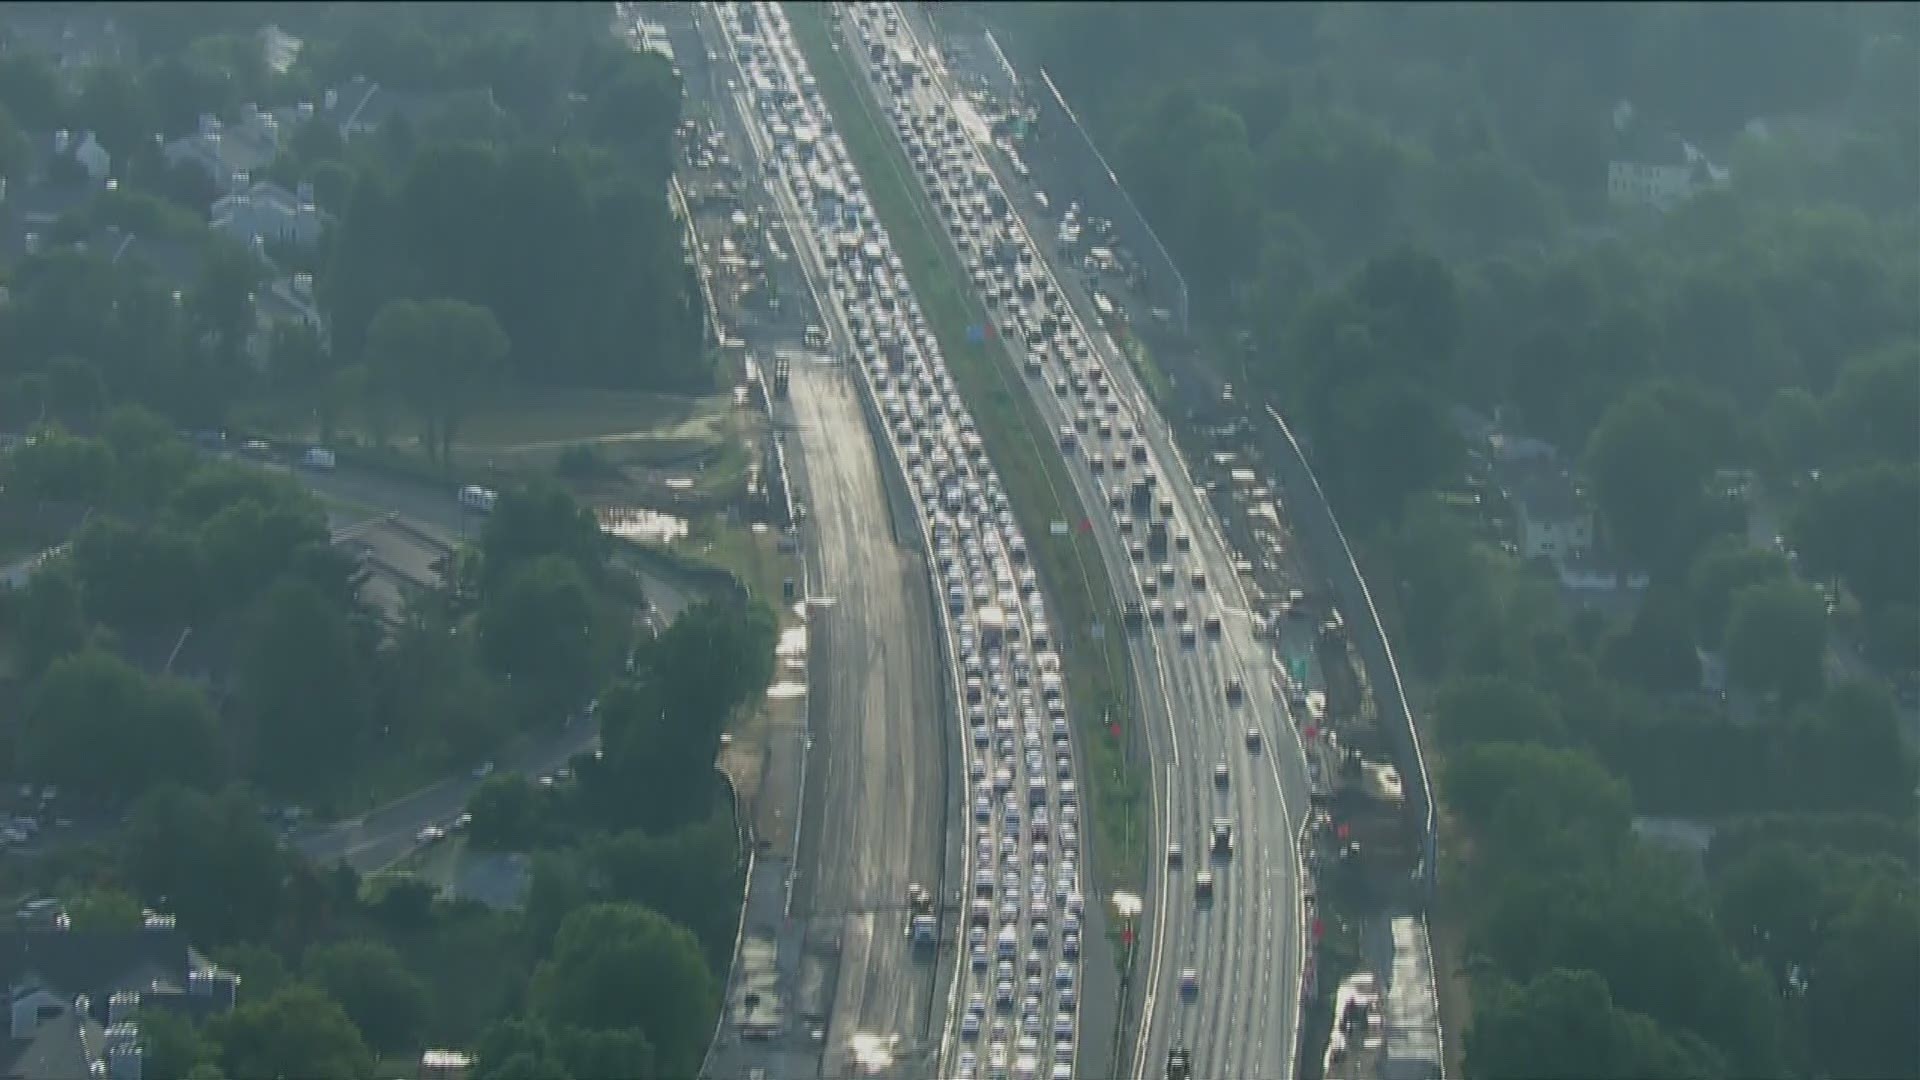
(996, 633)
(874, 813)
(1244, 948)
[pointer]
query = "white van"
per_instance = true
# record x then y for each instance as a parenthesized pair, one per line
(319, 457)
(478, 499)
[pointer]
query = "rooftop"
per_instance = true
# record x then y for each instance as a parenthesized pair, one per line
(1546, 492)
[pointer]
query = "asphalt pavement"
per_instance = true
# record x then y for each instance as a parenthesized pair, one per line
(880, 712)
(875, 806)
(1244, 947)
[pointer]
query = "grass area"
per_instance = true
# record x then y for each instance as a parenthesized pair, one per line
(1158, 386)
(527, 431)
(1020, 444)
(753, 557)
(563, 416)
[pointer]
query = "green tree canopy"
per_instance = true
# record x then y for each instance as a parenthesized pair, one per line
(621, 966)
(374, 987)
(1777, 640)
(298, 1032)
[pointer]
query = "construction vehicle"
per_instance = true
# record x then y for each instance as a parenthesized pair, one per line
(922, 926)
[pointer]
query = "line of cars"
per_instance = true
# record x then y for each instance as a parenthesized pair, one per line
(1101, 428)
(1017, 986)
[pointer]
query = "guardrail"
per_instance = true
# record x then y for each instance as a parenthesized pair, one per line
(1376, 653)
(743, 832)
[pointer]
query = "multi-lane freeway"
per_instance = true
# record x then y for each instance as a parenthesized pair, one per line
(1008, 913)
(1219, 977)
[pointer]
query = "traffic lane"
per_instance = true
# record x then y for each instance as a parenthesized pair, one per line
(880, 780)
(1233, 945)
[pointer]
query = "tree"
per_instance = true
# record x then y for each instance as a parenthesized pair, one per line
(507, 814)
(48, 622)
(254, 543)
(638, 108)
(170, 1047)
(539, 632)
(210, 860)
(221, 303)
(691, 875)
(98, 728)
(442, 356)
(1843, 752)
(540, 520)
(1793, 432)
(1481, 710)
(1536, 808)
(621, 966)
(374, 987)
(1863, 982)
(115, 106)
(661, 730)
(138, 581)
(297, 1032)
(1634, 922)
(260, 969)
(1777, 640)
(1853, 524)
(1649, 460)
(1655, 651)
(1723, 568)
(58, 467)
(303, 682)
(32, 90)
(1872, 402)
(1564, 1024)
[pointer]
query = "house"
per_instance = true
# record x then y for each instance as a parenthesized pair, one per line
(1554, 519)
(223, 151)
(1587, 572)
(1657, 171)
(91, 155)
(285, 301)
(263, 212)
(74, 995)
